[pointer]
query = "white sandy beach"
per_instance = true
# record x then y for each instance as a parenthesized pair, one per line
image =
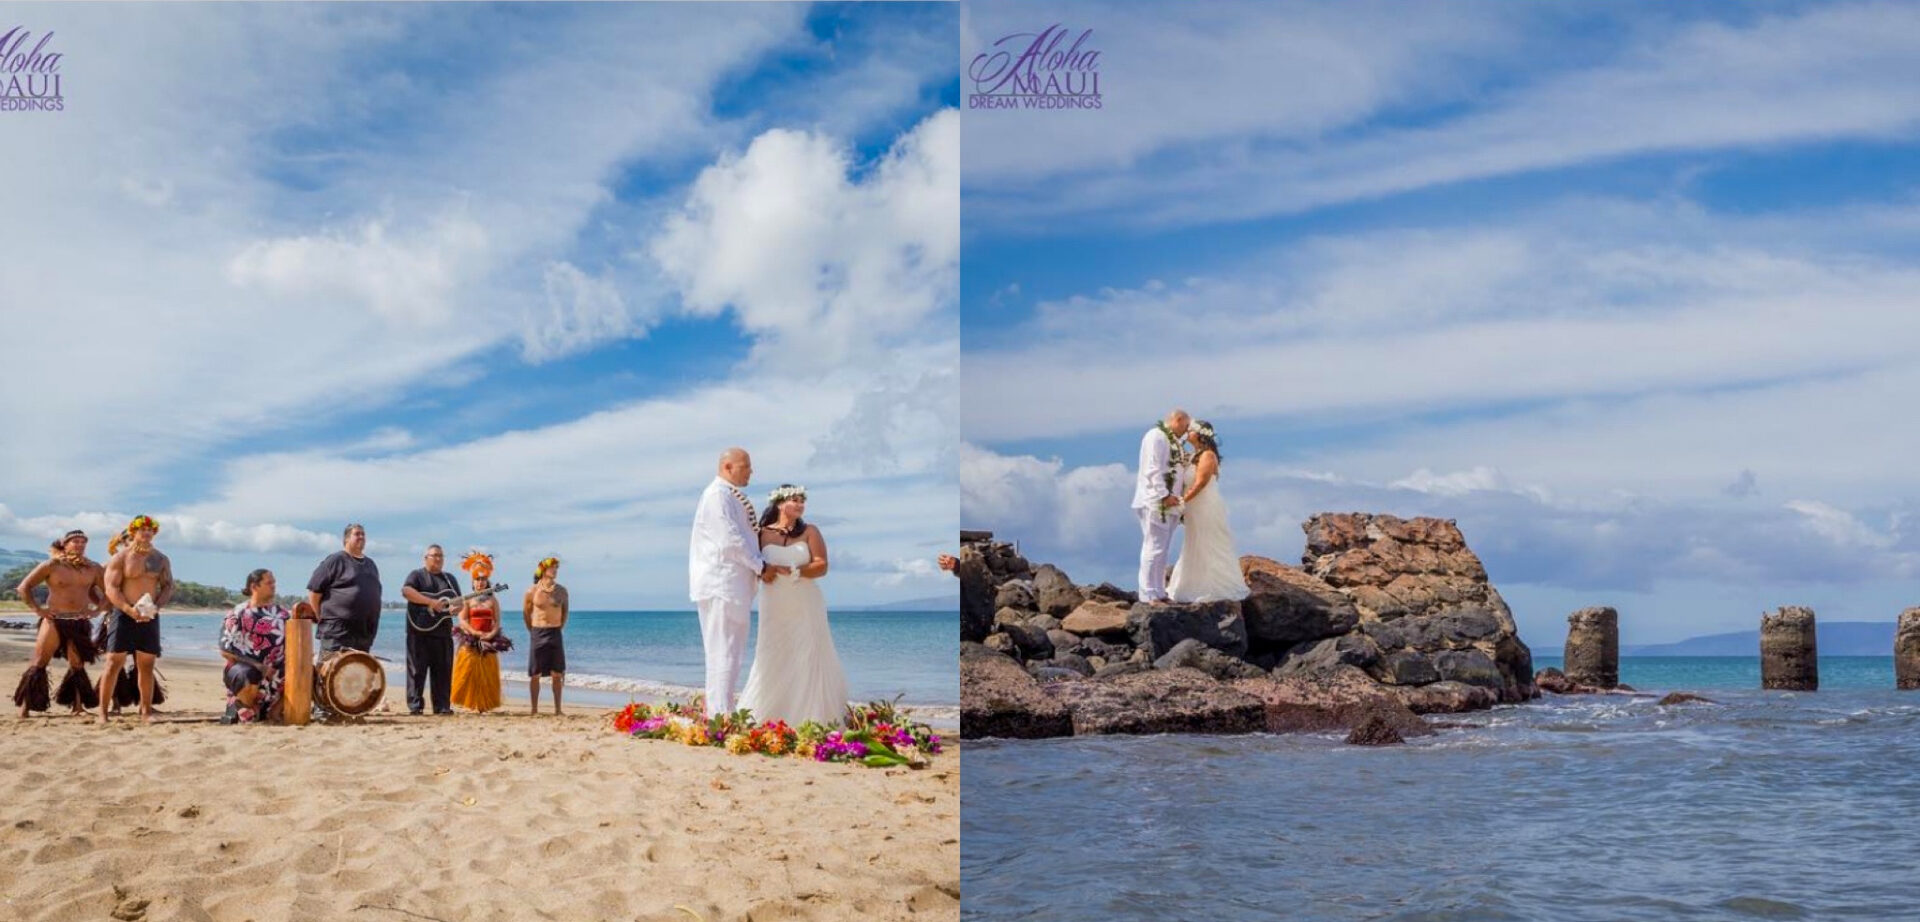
(471, 817)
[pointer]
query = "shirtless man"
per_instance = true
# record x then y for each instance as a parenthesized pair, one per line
(139, 583)
(75, 594)
(545, 610)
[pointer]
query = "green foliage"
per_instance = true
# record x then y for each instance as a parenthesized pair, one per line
(12, 578)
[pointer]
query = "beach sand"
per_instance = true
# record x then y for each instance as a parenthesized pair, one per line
(481, 817)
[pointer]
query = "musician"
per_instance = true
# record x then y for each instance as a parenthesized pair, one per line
(545, 610)
(476, 662)
(345, 591)
(139, 584)
(432, 605)
(253, 640)
(75, 592)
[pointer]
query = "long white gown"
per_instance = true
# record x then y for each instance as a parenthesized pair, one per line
(796, 674)
(1209, 566)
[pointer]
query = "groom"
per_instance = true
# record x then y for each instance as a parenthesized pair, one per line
(1164, 476)
(723, 563)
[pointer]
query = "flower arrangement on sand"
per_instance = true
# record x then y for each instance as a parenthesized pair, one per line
(877, 734)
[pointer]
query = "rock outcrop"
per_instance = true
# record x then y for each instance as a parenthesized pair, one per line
(1388, 619)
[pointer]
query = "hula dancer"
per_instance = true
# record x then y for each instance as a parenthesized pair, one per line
(75, 593)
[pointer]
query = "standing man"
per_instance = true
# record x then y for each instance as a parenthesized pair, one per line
(545, 609)
(1156, 500)
(74, 593)
(345, 591)
(430, 592)
(723, 561)
(139, 583)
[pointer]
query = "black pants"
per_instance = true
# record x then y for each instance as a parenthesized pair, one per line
(429, 654)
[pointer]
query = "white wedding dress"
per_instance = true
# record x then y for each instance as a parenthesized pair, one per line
(1209, 566)
(796, 674)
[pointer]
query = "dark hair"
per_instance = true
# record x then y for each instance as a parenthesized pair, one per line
(254, 578)
(1206, 442)
(772, 513)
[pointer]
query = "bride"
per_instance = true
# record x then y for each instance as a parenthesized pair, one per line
(1209, 566)
(796, 674)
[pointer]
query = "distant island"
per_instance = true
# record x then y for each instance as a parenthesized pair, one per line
(934, 603)
(1837, 638)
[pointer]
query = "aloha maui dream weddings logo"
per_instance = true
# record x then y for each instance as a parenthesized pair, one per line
(29, 73)
(1048, 74)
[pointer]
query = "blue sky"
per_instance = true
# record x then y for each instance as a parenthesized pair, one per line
(1625, 288)
(507, 276)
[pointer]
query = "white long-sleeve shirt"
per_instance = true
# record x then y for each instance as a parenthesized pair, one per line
(1156, 459)
(723, 557)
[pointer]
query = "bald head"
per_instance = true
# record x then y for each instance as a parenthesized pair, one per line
(1178, 420)
(736, 466)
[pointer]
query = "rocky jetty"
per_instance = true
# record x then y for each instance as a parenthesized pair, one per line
(1384, 620)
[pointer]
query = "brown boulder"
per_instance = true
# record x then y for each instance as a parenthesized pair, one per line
(1159, 701)
(1339, 698)
(1374, 731)
(1097, 618)
(999, 699)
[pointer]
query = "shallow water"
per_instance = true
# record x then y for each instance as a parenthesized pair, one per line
(1765, 805)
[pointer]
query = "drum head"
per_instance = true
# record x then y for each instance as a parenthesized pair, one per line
(351, 683)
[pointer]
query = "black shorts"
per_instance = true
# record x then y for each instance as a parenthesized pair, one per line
(344, 634)
(546, 654)
(125, 635)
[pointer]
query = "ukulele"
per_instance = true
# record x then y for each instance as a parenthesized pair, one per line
(454, 600)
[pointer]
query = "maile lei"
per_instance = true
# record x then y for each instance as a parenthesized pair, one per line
(1176, 456)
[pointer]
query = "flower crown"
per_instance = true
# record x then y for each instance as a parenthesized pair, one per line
(1203, 430)
(543, 566)
(785, 493)
(143, 521)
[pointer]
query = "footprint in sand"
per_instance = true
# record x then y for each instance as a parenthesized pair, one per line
(64, 850)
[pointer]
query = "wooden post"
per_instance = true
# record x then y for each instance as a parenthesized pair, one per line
(297, 691)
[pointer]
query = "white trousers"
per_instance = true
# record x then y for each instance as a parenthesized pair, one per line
(1156, 540)
(723, 634)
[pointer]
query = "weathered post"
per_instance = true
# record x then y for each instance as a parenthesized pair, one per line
(1906, 650)
(1593, 647)
(1789, 651)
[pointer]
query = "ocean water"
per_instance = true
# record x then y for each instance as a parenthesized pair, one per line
(650, 655)
(1764, 805)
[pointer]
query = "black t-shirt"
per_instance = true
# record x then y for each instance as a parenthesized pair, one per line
(431, 585)
(349, 588)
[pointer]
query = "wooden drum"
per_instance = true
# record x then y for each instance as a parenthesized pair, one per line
(351, 683)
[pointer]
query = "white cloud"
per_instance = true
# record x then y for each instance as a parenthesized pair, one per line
(178, 530)
(1176, 142)
(820, 266)
(411, 279)
(1622, 543)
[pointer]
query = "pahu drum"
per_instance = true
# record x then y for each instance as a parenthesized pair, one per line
(350, 683)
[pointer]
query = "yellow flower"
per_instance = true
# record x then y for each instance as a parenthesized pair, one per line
(739, 744)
